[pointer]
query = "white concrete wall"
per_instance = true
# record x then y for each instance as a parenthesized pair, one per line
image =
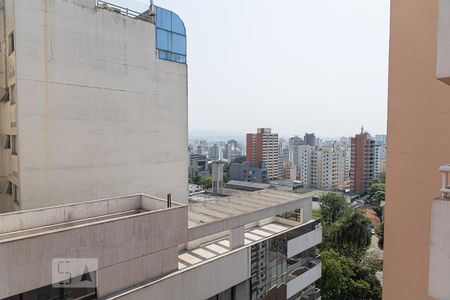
(99, 115)
(129, 250)
(299, 283)
(200, 282)
(439, 272)
(304, 242)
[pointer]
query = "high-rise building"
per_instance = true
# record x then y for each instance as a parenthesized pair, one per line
(362, 162)
(215, 152)
(418, 106)
(379, 159)
(380, 139)
(87, 95)
(309, 139)
(263, 147)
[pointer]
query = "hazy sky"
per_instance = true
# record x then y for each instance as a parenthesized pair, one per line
(292, 65)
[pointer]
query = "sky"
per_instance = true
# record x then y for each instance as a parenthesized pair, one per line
(295, 66)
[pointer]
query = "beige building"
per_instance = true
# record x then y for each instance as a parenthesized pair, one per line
(94, 104)
(321, 168)
(263, 148)
(418, 106)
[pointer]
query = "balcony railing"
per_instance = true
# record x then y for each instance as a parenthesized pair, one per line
(445, 188)
(145, 16)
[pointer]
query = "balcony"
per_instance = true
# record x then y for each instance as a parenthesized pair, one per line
(439, 271)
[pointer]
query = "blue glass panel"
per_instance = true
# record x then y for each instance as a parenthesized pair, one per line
(162, 40)
(178, 43)
(177, 25)
(163, 18)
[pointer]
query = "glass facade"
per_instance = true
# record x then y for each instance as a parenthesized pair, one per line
(170, 36)
(271, 270)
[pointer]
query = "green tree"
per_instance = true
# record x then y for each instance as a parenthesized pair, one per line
(380, 235)
(316, 213)
(239, 159)
(379, 196)
(206, 182)
(333, 206)
(197, 180)
(336, 281)
(352, 237)
(375, 187)
(343, 279)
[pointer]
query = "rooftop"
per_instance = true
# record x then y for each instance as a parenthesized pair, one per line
(237, 205)
(30, 223)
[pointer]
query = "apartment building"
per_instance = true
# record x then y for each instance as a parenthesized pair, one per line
(94, 103)
(258, 245)
(263, 147)
(303, 162)
(198, 166)
(416, 257)
(362, 162)
(309, 139)
(379, 160)
(320, 168)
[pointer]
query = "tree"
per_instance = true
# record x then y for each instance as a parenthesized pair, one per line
(380, 235)
(197, 180)
(336, 281)
(343, 279)
(375, 187)
(333, 206)
(379, 196)
(239, 159)
(206, 182)
(352, 237)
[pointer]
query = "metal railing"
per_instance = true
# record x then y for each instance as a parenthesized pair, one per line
(148, 15)
(445, 187)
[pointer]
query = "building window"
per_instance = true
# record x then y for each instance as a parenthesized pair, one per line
(12, 94)
(7, 142)
(11, 43)
(14, 194)
(14, 144)
(170, 36)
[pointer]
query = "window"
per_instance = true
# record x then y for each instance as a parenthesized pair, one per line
(12, 94)
(7, 142)
(170, 36)
(14, 194)
(14, 144)
(11, 43)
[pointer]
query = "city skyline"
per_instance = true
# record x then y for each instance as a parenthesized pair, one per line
(251, 74)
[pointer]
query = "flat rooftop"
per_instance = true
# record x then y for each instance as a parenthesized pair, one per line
(221, 246)
(237, 205)
(247, 185)
(30, 223)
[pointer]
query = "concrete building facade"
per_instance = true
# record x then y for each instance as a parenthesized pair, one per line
(263, 147)
(418, 106)
(258, 245)
(310, 139)
(95, 108)
(248, 172)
